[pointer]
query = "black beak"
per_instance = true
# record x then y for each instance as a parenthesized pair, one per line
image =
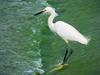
(38, 13)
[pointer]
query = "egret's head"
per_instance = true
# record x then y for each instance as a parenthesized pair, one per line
(49, 10)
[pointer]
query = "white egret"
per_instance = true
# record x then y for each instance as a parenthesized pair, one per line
(65, 31)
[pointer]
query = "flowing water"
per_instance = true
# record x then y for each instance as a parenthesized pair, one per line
(28, 47)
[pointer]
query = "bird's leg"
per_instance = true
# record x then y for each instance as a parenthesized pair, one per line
(66, 56)
(64, 59)
(62, 65)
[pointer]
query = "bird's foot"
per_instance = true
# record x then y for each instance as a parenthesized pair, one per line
(59, 67)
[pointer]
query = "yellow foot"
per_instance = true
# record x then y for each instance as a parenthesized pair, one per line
(59, 67)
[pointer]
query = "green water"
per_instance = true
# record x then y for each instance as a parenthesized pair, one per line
(27, 46)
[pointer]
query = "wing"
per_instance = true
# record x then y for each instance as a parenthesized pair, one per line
(68, 32)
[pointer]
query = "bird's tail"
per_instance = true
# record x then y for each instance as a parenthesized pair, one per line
(85, 40)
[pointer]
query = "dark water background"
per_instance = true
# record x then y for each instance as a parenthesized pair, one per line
(27, 46)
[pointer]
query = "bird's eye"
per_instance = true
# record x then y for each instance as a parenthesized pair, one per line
(44, 10)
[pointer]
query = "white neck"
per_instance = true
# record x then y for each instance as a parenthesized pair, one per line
(50, 21)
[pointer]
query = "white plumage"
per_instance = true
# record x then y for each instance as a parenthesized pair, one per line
(66, 31)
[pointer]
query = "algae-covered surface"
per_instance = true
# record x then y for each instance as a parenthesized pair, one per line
(28, 47)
